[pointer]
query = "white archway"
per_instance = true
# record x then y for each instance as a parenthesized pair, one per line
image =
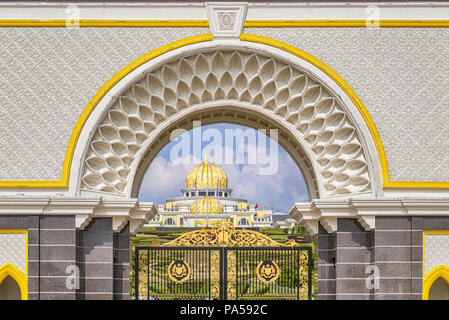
(321, 127)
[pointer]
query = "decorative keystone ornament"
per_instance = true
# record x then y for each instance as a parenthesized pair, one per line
(226, 19)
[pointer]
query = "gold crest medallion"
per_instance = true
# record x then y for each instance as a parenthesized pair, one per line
(179, 271)
(267, 271)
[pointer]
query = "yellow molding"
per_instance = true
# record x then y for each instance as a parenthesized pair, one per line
(57, 23)
(415, 185)
(440, 271)
(63, 183)
(9, 269)
(436, 272)
(326, 23)
(345, 23)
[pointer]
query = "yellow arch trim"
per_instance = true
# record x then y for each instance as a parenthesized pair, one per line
(437, 272)
(11, 270)
(168, 218)
(63, 183)
(248, 223)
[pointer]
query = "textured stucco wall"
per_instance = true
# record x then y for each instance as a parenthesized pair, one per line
(50, 74)
(401, 75)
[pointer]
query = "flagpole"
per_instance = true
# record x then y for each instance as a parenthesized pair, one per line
(207, 193)
(218, 181)
(196, 203)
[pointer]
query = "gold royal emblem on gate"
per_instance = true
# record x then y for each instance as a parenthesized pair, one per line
(267, 271)
(179, 271)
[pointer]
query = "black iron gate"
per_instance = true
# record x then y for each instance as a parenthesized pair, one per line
(232, 273)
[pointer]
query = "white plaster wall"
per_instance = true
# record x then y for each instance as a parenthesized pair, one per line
(48, 75)
(13, 249)
(436, 251)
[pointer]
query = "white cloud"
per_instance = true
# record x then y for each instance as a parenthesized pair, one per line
(163, 180)
(281, 190)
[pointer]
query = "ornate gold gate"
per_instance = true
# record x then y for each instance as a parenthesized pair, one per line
(223, 263)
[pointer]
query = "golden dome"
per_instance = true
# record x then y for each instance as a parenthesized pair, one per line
(242, 206)
(206, 204)
(260, 213)
(206, 175)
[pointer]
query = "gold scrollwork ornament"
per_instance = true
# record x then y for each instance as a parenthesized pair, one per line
(232, 275)
(179, 271)
(215, 274)
(303, 276)
(267, 271)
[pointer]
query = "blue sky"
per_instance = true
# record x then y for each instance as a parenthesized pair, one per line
(166, 175)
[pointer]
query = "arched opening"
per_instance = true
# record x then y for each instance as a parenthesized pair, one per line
(240, 117)
(169, 222)
(436, 283)
(13, 283)
(250, 175)
(199, 196)
(243, 222)
(9, 289)
(439, 290)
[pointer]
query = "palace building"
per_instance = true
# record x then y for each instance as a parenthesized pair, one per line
(206, 199)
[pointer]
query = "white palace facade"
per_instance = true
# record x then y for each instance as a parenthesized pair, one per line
(207, 199)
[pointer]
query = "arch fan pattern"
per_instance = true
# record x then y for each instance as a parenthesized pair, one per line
(284, 90)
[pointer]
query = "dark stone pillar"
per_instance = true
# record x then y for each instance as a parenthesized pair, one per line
(354, 253)
(33, 257)
(95, 260)
(399, 254)
(57, 252)
(326, 265)
(121, 264)
(395, 248)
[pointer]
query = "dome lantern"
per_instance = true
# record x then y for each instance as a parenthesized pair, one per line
(206, 175)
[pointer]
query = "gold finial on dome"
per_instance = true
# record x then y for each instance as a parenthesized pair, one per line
(206, 175)
(206, 205)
